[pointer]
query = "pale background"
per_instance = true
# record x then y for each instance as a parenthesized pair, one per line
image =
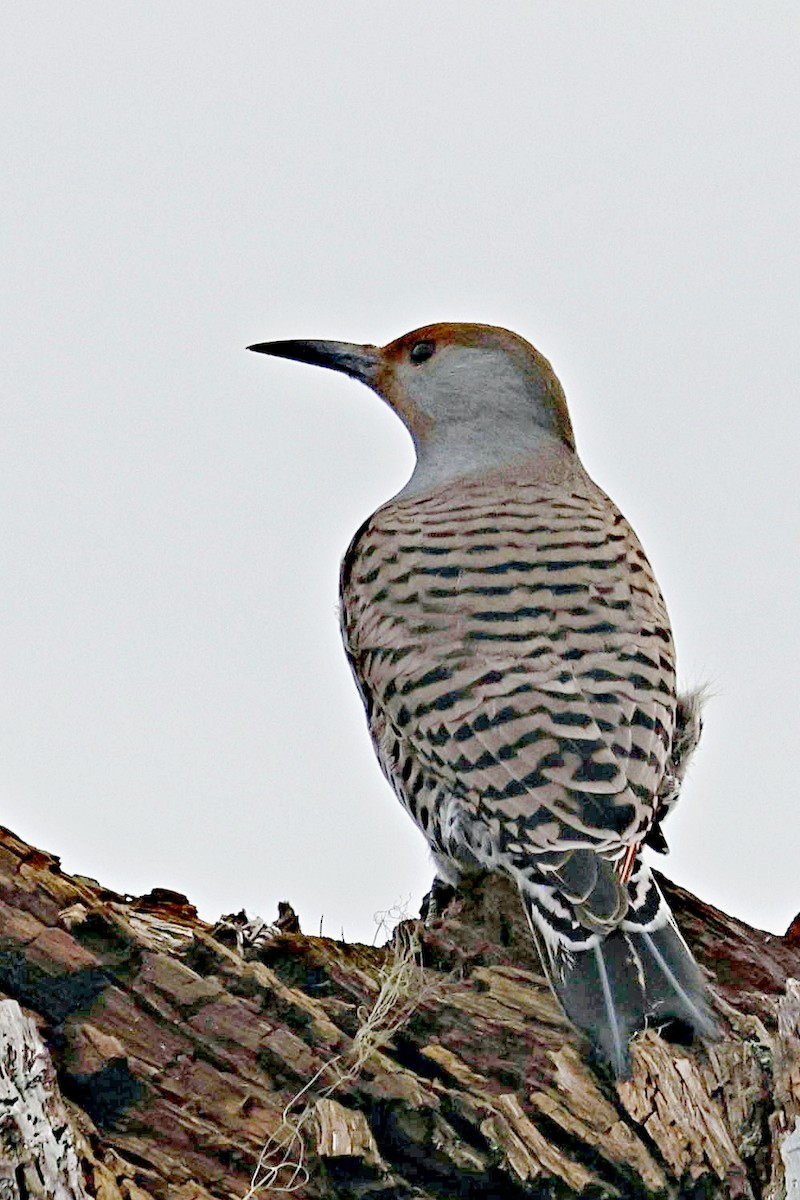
(619, 182)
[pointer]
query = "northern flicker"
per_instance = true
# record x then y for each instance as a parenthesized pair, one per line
(516, 663)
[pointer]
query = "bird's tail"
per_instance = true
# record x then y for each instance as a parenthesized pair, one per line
(615, 981)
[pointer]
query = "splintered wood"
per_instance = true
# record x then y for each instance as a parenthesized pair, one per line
(668, 1096)
(37, 1145)
(529, 1154)
(785, 1121)
(343, 1133)
(580, 1108)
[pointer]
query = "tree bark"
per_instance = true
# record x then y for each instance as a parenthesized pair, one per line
(185, 1060)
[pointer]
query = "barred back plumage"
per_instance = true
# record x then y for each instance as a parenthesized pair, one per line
(516, 662)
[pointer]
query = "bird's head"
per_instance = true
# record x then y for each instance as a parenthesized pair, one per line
(462, 390)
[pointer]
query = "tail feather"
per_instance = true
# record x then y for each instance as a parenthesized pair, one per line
(613, 984)
(600, 990)
(673, 982)
(617, 1042)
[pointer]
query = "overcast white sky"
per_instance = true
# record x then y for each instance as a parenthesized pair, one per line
(618, 182)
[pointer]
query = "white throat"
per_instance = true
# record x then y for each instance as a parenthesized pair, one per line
(473, 451)
(483, 415)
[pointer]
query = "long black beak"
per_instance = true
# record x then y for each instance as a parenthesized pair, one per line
(362, 362)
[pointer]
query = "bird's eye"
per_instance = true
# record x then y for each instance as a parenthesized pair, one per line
(421, 352)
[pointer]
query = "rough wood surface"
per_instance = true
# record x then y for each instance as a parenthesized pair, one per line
(37, 1146)
(190, 1056)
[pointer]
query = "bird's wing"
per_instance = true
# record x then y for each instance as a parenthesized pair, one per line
(521, 651)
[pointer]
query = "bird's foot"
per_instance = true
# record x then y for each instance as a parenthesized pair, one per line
(434, 904)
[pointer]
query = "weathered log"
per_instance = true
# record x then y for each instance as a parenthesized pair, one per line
(190, 1056)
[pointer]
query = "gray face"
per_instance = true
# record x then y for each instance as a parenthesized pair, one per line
(480, 407)
(472, 397)
(480, 387)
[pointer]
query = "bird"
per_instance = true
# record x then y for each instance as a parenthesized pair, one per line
(516, 664)
(685, 740)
